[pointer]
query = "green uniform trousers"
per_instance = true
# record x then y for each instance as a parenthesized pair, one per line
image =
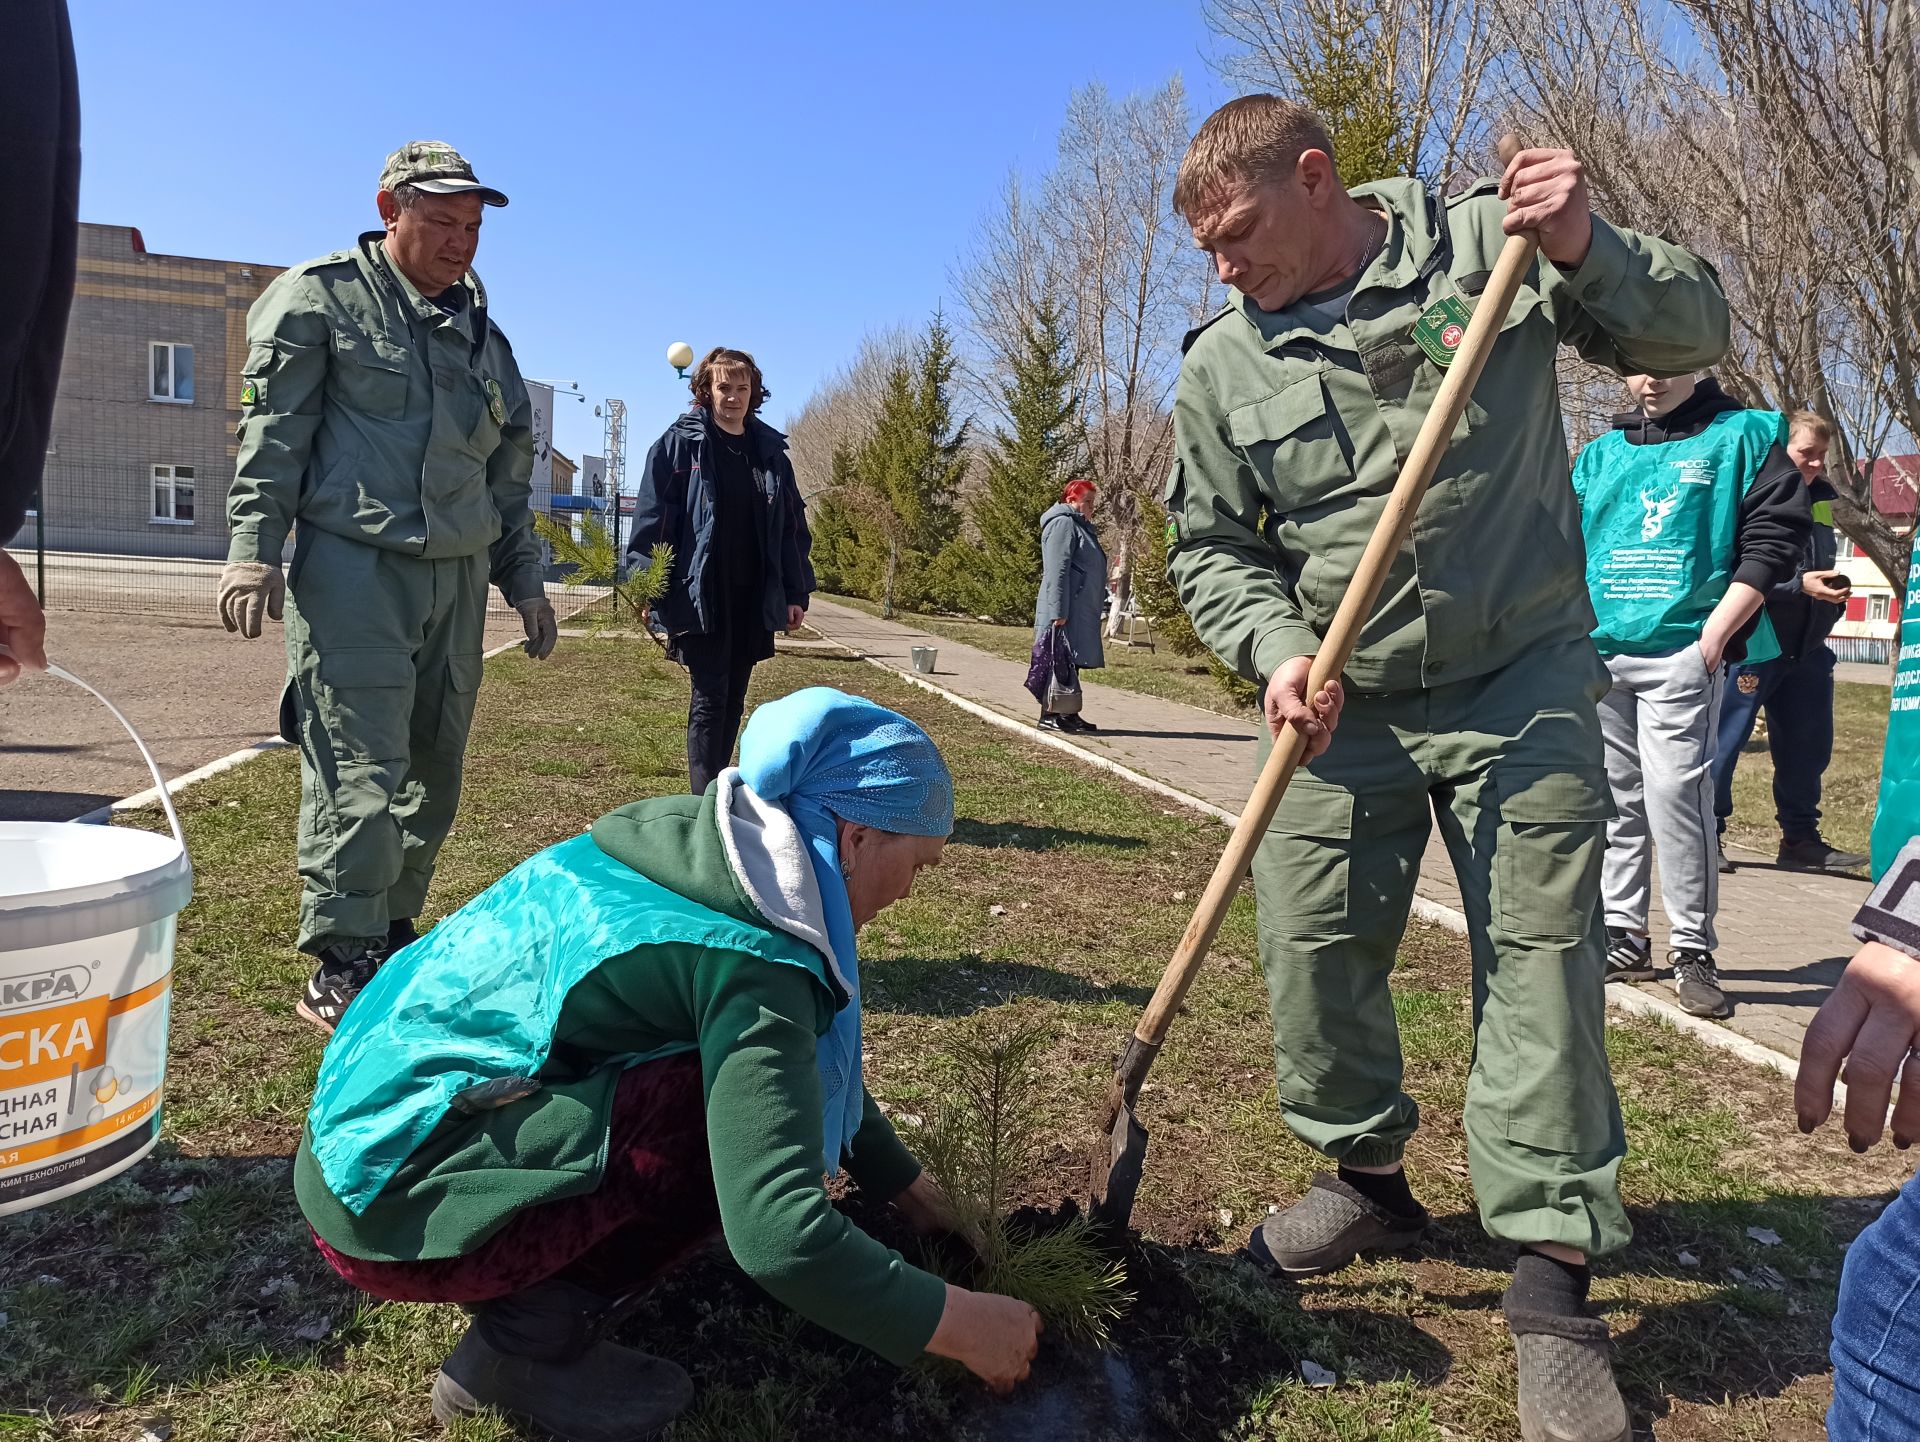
(383, 666)
(1510, 764)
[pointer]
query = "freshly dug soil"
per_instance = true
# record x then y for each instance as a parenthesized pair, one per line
(1154, 1380)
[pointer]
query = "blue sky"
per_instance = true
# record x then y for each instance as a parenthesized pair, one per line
(781, 177)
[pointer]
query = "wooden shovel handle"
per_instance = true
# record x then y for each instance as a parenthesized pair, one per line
(1336, 649)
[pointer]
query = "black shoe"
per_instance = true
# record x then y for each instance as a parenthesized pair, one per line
(401, 933)
(346, 966)
(1727, 868)
(1085, 724)
(600, 1393)
(1329, 1227)
(1815, 855)
(1628, 957)
(1050, 722)
(1697, 980)
(1073, 725)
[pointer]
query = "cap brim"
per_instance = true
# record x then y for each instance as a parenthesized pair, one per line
(488, 195)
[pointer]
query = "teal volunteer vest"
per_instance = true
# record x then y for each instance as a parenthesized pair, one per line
(1660, 523)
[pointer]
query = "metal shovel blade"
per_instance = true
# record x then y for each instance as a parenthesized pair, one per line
(1118, 1164)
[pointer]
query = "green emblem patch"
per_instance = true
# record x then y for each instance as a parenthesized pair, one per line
(1441, 328)
(249, 393)
(496, 403)
(1173, 531)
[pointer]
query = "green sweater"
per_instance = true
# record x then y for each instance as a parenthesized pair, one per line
(754, 1024)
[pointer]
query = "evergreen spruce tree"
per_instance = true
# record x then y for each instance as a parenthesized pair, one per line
(1031, 459)
(910, 470)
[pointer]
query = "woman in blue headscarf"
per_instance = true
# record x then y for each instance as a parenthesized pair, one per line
(634, 1040)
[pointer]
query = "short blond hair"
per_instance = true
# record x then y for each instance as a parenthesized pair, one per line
(1252, 140)
(1822, 428)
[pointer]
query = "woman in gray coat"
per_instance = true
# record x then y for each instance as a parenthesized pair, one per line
(1073, 587)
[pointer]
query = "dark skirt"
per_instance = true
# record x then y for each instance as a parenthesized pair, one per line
(654, 1208)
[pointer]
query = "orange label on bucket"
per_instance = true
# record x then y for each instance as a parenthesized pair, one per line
(36, 1046)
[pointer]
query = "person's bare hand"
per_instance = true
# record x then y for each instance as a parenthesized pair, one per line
(1285, 705)
(1872, 1021)
(1546, 192)
(992, 1336)
(1059, 620)
(23, 625)
(1820, 585)
(796, 617)
(1712, 652)
(928, 1208)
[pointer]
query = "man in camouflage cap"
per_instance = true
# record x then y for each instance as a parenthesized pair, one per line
(381, 409)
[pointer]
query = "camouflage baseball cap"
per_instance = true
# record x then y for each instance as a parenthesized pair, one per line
(437, 168)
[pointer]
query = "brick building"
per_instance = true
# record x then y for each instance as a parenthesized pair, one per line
(143, 431)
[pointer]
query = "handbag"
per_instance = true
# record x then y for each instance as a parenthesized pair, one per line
(1063, 677)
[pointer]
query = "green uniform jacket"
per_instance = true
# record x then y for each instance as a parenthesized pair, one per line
(368, 411)
(754, 1024)
(1290, 430)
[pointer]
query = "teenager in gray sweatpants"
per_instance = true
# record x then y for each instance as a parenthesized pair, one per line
(1692, 510)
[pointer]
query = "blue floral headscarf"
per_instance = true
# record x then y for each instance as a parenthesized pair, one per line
(822, 755)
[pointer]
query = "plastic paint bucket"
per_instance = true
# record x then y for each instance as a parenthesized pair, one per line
(86, 965)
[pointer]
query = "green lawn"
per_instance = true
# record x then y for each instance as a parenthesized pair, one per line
(188, 1290)
(1156, 672)
(1852, 780)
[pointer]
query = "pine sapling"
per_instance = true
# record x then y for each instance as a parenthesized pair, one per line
(980, 1145)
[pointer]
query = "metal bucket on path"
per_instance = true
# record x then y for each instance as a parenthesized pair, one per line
(923, 659)
(86, 967)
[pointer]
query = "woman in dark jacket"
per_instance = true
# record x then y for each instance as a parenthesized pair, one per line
(719, 489)
(1073, 587)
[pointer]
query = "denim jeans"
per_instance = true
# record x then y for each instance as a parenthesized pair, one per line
(1798, 698)
(1876, 1330)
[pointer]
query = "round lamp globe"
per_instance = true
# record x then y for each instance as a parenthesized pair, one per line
(679, 355)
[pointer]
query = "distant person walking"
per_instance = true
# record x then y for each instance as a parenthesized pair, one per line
(1073, 588)
(719, 489)
(1795, 689)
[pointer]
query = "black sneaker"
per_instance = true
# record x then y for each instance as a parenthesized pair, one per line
(1629, 958)
(346, 966)
(1081, 723)
(1697, 980)
(1815, 855)
(1727, 867)
(401, 933)
(1050, 722)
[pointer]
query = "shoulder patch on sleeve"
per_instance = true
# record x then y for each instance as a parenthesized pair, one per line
(1186, 341)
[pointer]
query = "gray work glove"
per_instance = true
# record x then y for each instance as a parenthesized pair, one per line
(248, 589)
(542, 630)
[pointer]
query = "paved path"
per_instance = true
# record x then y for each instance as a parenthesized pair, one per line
(195, 693)
(1783, 934)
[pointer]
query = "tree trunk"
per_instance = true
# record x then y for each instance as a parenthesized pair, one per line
(893, 567)
(1123, 584)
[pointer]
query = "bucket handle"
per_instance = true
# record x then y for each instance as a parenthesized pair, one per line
(159, 781)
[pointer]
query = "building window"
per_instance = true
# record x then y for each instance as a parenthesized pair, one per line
(173, 495)
(1843, 548)
(170, 377)
(1879, 608)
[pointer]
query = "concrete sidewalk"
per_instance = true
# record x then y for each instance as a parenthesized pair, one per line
(1783, 934)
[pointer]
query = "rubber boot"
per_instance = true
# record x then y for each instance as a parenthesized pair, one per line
(538, 1357)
